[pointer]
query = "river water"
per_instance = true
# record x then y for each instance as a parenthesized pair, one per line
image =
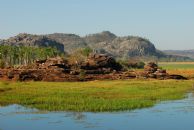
(170, 115)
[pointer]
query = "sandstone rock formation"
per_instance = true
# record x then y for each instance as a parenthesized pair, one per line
(58, 69)
(101, 62)
(97, 67)
(151, 70)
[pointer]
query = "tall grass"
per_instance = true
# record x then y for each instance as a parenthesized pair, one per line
(92, 96)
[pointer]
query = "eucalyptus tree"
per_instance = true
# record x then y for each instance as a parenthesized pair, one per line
(23, 55)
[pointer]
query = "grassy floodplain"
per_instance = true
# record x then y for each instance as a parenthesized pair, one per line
(93, 96)
(177, 65)
(183, 68)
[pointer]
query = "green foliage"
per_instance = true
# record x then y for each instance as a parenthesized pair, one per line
(18, 55)
(124, 64)
(77, 57)
(131, 65)
(86, 51)
(140, 65)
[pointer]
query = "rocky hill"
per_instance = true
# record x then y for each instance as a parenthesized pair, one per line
(24, 39)
(128, 47)
(104, 42)
(104, 36)
(70, 41)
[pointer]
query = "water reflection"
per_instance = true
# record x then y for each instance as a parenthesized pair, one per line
(177, 115)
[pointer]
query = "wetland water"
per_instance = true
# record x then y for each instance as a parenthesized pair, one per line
(171, 115)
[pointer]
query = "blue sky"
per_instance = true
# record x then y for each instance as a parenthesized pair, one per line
(169, 24)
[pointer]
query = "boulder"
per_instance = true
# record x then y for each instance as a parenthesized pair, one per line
(151, 67)
(151, 70)
(57, 61)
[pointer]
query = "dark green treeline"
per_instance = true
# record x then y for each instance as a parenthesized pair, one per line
(23, 55)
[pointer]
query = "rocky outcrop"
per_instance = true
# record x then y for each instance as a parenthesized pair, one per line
(150, 67)
(52, 62)
(97, 67)
(151, 70)
(101, 62)
(58, 69)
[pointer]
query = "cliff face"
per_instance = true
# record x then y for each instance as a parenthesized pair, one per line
(70, 41)
(104, 42)
(127, 47)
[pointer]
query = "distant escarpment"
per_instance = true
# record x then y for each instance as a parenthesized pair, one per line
(104, 42)
(69, 41)
(187, 53)
(24, 39)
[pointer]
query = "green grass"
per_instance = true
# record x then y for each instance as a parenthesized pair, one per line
(93, 96)
(175, 66)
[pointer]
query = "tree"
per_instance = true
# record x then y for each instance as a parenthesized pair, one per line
(19, 55)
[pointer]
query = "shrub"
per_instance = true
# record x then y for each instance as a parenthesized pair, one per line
(129, 65)
(86, 51)
(140, 65)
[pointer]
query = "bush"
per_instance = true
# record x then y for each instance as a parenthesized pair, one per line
(86, 51)
(76, 58)
(140, 65)
(129, 65)
(124, 64)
